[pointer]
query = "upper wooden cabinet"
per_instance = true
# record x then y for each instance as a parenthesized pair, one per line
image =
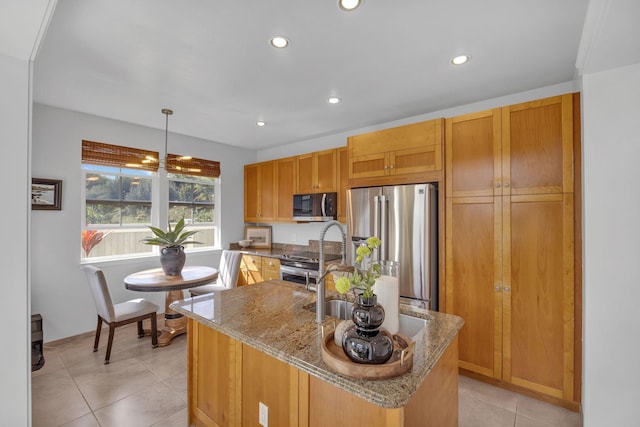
(317, 172)
(286, 174)
(520, 149)
(404, 150)
(259, 192)
(509, 247)
(343, 183)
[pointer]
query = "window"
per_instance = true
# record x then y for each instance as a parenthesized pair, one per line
(122, 197)
(193, 198)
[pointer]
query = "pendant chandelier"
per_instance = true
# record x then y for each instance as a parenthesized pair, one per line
(178, 164)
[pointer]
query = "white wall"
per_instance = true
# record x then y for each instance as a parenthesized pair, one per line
(611, 152)
(58, 285)
(15, 369)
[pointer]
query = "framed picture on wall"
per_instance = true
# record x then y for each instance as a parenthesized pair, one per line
(260, 236)
(46, 194)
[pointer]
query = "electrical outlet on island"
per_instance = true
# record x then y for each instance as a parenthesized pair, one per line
(263, 417)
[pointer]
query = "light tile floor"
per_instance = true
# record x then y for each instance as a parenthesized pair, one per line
(148, 387)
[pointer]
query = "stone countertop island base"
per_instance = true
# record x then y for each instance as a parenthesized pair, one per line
(256, 348)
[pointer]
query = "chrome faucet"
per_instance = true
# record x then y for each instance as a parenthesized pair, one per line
(320, 287)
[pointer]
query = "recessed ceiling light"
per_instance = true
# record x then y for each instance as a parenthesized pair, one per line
(261, 123)
(280, 42)
(334, 100)
(459, 60)
(349, 5)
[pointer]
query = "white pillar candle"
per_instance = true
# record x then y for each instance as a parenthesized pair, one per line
(388, 293)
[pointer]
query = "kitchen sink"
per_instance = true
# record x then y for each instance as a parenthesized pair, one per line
(410, 326)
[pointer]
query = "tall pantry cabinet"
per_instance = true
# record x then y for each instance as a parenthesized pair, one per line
(509, 245)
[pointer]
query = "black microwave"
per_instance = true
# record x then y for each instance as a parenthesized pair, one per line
(315, 207)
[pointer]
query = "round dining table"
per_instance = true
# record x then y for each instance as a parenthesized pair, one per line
(155, 280)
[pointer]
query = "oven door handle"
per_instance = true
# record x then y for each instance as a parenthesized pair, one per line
(298, 271)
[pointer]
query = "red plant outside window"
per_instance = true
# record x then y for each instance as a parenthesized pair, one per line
(90, 238)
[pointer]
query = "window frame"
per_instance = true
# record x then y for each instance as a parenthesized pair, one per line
(159, 211)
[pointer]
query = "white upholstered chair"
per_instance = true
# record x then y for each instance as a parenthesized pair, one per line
(228, 272)
(118, 314)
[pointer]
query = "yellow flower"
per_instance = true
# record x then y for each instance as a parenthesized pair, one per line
(343, 285)
(373, 242)
(362, 252)
(361, 279)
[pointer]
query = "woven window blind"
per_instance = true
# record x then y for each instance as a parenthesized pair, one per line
(192, 166)
(98, 153)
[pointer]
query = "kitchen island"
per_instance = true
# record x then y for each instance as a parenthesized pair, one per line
(257, 349)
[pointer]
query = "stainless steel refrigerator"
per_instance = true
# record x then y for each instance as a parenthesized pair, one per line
(405, 218)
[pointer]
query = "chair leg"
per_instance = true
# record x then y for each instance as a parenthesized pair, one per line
(140, 329)
(97, 340)
(154, 330)
(112, 329)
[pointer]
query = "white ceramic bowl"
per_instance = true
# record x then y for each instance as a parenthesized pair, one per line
(245, 243)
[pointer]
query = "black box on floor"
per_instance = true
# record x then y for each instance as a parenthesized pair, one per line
(37, 357)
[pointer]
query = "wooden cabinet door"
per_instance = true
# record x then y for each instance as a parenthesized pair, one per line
(343, 182)
(538, 338)
(413, 160)
(286, 174)
(251, 193)
(474, 154)
(326, 171)
(368, 165)
(306, 181)
(250, 270)
(259, 192)
(268, 193)
(213, 378)
(473, 260)
(317, 172)
(537, 141)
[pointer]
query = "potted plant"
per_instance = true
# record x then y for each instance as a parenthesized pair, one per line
(172, 255)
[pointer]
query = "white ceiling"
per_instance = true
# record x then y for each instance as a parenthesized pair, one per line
(211, 62)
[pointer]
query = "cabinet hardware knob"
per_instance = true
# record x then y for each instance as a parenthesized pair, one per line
(497, 288)
(497, 185)
(392, 166)
(506, 184)
(507, 289)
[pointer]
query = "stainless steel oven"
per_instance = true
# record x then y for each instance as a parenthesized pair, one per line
(298, 275)
(302, 267)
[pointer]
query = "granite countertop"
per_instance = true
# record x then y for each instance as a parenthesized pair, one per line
(270, 316)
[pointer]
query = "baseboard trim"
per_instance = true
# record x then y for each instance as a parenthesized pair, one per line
(66, 340)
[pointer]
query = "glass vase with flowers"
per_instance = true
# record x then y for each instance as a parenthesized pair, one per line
(365, 342)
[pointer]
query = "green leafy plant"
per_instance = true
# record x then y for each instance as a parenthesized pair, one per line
(172, 238)
(362, 279)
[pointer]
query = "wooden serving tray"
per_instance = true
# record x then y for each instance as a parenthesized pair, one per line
(400, 362)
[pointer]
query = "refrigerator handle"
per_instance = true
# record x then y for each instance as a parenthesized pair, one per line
(376, 222)
(384, 228)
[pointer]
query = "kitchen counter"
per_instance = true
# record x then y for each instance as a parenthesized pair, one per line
(271, 318)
